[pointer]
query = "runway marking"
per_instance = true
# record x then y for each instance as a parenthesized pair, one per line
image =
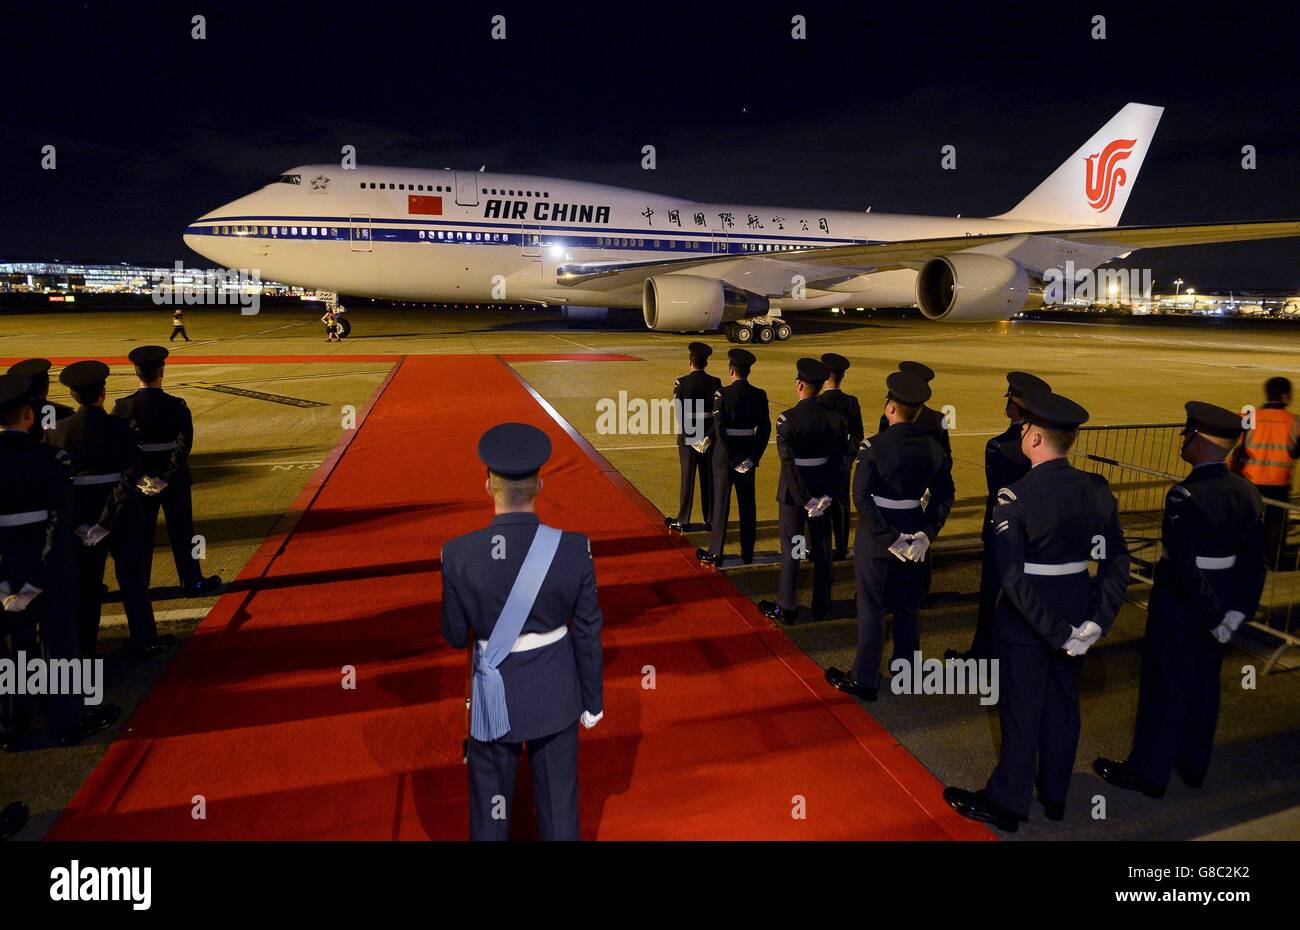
(182, 613)
(254, 395)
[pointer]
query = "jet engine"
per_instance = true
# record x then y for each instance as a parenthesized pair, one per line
(690, 303)
(971, 287)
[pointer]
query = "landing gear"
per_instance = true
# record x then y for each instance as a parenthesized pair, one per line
(763, 330)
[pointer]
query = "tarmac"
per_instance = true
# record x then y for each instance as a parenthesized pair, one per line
(262, 428)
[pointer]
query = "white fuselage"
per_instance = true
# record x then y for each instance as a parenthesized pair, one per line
(478, 237)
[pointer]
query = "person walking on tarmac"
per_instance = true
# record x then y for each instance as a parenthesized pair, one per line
(178, 326)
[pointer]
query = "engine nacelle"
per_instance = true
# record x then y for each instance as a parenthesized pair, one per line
(690, 303)
(972, 287)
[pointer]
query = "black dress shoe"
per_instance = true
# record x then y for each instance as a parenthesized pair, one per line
(1053, 810)
(708, 527)
(155, 648)
(1193, 782)
(820, 614)
(95, 721)
(12, 819)
(747, 559)
(839, 555)
(845, 682)
(1121, 776)
(203, 586)
(977, 805)
(704, 555)
(11, 742)
(672, 523)
(774, 611)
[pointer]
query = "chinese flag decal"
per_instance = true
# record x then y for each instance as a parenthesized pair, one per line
(425, 206)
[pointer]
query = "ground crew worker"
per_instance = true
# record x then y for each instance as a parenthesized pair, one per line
(742, 426)
(528, 592)
(847, 406)
(1266, 458)
(178, 325)
(896, 469)
(1047, 526)
(164, 432)
(812, 443)
(48, 413)
(107, 512)
(693, 396)
(1207, 583)
(1004, 465)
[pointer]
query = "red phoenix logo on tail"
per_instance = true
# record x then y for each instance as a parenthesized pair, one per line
(1105, 176)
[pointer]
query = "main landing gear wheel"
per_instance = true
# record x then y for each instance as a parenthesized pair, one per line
(783, 331)
(764, 334)
(740, 333)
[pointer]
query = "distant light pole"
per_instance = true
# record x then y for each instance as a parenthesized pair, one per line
(1178, 283)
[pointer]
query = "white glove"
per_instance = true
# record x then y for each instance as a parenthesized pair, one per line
(16, 603)
(1231, 621)
(590, 721)
(745, 467)
(1082, 638)
(918, 547)
(151, 486)
(91, 535)
(900, 546)
(703, 445)
(817, 506)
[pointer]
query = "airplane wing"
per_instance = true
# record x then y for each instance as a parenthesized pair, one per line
(769, 272)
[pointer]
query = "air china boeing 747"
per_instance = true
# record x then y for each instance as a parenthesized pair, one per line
(479, 237)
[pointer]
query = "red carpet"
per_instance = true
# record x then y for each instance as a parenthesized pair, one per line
(252, 716)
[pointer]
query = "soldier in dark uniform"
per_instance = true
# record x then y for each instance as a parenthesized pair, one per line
(812, 442)
(1047, 527)
(1207, 583)
(108, 513)
(48, 413)
(848, 407)
(693, 396)
(929, 419)
(1004, 465)
(517, 585)
(35, 566)
(742, 426)
(164, 432)
(896, 469)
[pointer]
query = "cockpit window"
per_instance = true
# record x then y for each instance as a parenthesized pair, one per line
(289, 179)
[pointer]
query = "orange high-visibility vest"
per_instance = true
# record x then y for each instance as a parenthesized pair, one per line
(1267, 449)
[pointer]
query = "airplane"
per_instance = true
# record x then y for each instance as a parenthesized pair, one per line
(463, 237)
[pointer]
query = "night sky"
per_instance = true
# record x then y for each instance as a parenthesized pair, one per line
(153, 128)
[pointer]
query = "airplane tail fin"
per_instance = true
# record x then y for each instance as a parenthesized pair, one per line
(1093, 185)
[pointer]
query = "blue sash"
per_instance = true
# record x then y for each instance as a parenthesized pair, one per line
(489, 719)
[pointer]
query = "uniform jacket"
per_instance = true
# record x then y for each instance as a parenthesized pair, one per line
(1213, 513)
(547, 689)
(847, 406)
(1055, 515)
(931, 421)
(61, 413)
(740, 405)
(158, 417)
(695, 392)
(809, 430)
(33, 476)
(902, 463)
(1004, 464)
(96, 443)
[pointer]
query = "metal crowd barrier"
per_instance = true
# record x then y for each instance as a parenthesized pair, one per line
(1141, 461)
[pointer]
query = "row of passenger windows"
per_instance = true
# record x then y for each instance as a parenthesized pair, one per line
(276, 230)
(505, 193)
(464, 236)
(610, 242)
(384, 186)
